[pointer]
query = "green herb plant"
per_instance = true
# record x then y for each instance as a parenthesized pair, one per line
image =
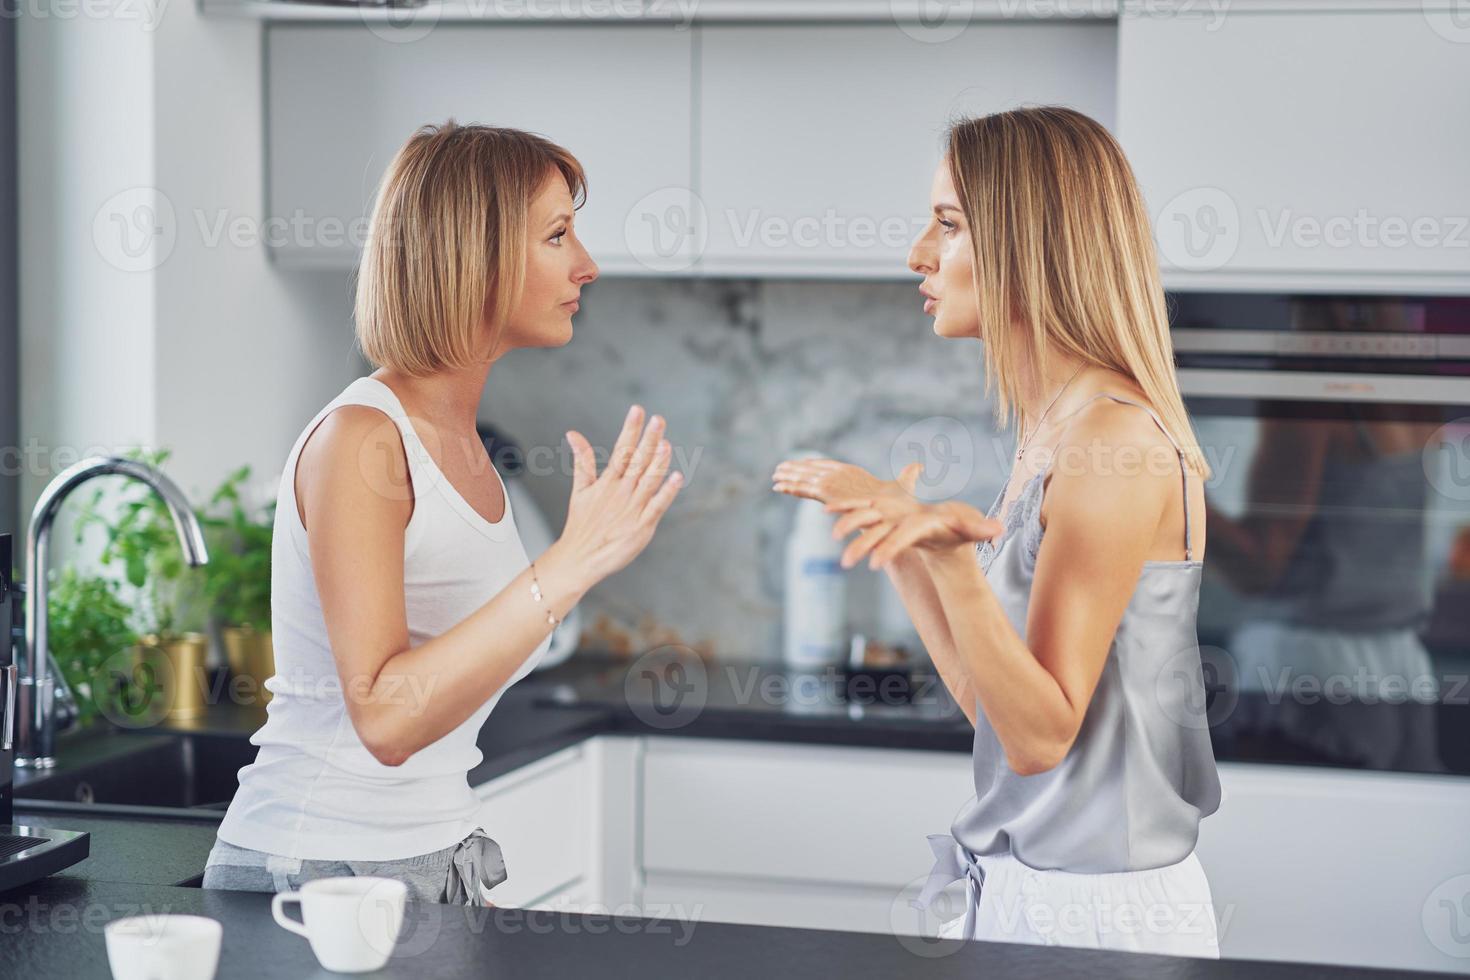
(237, 579)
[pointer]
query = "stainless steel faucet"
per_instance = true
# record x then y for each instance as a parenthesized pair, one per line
(46, 702)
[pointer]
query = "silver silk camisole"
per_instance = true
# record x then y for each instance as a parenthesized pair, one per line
(1130, 793)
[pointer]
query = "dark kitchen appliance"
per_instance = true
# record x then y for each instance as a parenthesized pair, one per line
(1334, 613)
(26, 853)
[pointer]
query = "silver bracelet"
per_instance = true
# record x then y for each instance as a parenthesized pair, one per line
(536, 594)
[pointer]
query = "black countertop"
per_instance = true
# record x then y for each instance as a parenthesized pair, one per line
(127, 846)
(55, 928)
(138, 858)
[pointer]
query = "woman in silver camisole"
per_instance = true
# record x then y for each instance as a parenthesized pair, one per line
(1063, 620)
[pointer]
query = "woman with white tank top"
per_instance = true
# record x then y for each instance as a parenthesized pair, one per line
(402, 601)
(1063, 621)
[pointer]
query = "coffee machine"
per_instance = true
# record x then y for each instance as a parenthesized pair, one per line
(26, 852)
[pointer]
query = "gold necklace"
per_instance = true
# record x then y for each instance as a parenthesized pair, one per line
(1022, 448)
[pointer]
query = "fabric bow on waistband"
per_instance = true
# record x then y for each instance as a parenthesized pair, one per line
(952, 862)
(475, 867)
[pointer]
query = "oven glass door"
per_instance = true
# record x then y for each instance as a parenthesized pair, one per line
(1334, 614)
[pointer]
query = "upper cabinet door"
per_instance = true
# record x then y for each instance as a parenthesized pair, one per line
(811, 164)
(1302, 151)
(342, 100)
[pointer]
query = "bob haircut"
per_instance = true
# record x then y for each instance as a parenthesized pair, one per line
(446, 249)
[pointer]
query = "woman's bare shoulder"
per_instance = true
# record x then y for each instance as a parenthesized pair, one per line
(354, 458)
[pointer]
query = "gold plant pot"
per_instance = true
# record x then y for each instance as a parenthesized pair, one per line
(251, 656)
(179, 667)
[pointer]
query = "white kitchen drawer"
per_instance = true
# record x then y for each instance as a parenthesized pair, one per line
(822, 814)
(541, 816)
(795, 905)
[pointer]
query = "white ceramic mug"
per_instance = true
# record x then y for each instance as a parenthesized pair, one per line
(163, 947)
(351, 922)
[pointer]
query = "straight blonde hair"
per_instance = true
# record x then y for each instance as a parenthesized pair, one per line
(446, 248)
(1063, 246)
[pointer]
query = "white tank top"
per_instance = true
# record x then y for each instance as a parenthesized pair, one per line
(314, 790)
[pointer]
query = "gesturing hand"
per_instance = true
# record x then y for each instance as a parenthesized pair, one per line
(612, 517)
(892, 525)
(826, 480)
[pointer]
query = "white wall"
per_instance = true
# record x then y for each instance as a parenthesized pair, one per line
(202, 347)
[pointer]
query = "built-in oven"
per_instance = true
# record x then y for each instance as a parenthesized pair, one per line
(1334, 613)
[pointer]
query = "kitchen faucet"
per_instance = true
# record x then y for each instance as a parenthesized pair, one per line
(46, 702)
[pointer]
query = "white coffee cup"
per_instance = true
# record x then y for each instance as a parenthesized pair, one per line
(351, 922)
(163, 947)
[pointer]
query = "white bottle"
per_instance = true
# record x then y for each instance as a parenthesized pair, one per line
(816, 591)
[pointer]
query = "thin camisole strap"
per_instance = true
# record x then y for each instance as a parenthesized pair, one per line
(1183, 470)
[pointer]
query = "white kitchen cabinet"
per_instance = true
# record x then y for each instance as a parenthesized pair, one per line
(1301, 150)
(810, 164)
(813, 836)
(543, 816)
(343, 99)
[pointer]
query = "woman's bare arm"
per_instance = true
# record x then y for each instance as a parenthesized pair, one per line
(401, 698)
(920, 598)
(1103, 519)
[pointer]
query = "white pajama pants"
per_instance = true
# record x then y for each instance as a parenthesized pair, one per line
(1159, 910)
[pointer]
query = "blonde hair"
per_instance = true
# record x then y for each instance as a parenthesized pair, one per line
(1063, 246)
(446, 248)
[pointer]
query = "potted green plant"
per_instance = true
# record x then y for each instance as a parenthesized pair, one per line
(141, 537)
(88, 628)
(237, 582)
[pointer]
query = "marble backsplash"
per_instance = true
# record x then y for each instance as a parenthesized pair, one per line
(748, 372)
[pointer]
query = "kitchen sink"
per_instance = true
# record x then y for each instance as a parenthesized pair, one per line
(172, 770)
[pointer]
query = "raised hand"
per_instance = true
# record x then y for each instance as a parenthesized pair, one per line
(892, 525)
(611, 517)
(826, 480)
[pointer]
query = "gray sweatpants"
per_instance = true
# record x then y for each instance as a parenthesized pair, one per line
(244, 869)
